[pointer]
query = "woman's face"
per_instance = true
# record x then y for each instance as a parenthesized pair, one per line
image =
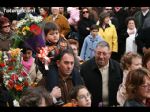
(106, 20)
(85, 13)
(144, 89)
(136, 63)
(84, 98)
(6, 27)
(43, 12)
(131, 24)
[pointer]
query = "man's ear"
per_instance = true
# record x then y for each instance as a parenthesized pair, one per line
(58, 63)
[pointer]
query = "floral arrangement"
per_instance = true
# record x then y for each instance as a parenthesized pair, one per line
(15, 79)
(47, 53)
(29, 26)
(44, 53)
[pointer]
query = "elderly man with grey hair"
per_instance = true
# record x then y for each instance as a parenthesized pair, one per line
(102, 76)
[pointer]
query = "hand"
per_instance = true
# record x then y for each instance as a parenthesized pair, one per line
(56, 92)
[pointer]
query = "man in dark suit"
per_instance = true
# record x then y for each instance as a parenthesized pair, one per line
(102, 76)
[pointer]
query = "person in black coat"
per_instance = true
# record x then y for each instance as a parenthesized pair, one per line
(84, 25)
(63, 74)
(102, 76)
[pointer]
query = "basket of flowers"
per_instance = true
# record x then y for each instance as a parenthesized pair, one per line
(15, 79)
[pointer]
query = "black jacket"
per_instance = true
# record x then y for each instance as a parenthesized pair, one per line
(93, 80)
(53, 77)
(133, 103)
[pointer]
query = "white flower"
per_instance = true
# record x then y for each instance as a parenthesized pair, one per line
(16, 103)
(20, 79)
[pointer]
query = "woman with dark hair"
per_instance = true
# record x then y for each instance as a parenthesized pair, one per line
(128, 40)
(6, 34)
(84, 25)
(138, 88)
(44, 12)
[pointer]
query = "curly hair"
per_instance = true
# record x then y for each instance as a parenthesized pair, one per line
(126, 59)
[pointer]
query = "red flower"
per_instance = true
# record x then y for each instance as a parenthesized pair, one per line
(10, 84)
(23, 74)
(35, 29)
(26, 83)
(18, 87)
(14, 77)
(10, 68)
(2, 65)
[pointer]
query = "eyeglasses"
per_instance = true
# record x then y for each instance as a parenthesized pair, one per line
(85, 12)
(81, 97)
(146, 86)
(5, 26)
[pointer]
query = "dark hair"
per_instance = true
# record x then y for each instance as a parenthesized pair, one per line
(32, 97)
(73, 42)
(135, 78)
(50, 26)
(146, 58)
(66, 51)
(94, 27)
(102, 16)
(129, 19)
(25, 50)
(81, 12)
(3, 20)
(73, 35)
(74, 91)
(46, 9)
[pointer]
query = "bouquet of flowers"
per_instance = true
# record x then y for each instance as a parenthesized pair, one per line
(29, 31)
(29, 26)
(47, 53)
(15, 79)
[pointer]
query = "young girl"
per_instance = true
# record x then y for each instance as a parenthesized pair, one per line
(30, 67)
(80, 97)
(130, 61)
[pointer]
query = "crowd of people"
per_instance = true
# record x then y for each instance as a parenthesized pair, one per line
(100, 56)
